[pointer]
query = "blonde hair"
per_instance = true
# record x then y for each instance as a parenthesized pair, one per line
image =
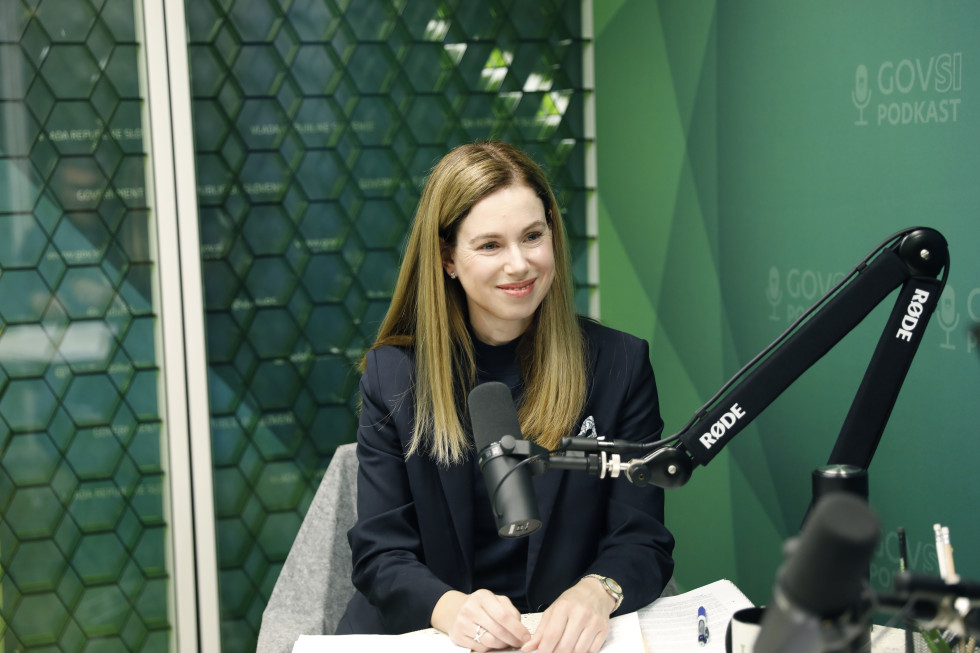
(428, 311)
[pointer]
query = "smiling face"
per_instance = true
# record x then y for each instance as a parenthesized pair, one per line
(504, 260)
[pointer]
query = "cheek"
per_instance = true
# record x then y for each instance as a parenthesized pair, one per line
(472, 266)
(546, 259)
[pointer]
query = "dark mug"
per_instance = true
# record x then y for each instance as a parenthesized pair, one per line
(743, 630)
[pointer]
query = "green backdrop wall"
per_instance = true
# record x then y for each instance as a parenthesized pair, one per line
(749, 155)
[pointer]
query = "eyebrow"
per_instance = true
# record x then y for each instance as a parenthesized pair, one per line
(537, 224)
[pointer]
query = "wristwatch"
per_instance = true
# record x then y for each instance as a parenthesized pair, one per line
(612, 588)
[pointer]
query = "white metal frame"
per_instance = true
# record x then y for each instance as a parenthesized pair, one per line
(591, 176)
(173, 203)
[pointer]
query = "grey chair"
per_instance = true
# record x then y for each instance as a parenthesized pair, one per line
(314, 586)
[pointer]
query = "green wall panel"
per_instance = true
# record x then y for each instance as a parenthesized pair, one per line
(743, 168)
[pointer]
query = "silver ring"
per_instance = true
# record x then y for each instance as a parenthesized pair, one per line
(480, 630)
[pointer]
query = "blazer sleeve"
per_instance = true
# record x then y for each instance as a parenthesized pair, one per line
(386, 545)
(635, 546)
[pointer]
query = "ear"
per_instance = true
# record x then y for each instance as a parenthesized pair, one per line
(447, 257)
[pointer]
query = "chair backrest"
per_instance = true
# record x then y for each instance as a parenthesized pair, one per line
(314, 586)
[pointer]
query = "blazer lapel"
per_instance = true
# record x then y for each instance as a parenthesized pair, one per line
(457, 484)
(546, 487)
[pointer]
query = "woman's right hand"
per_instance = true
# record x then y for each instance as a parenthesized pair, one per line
(480, 621)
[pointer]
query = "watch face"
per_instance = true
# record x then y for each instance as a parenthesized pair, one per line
(613, 585)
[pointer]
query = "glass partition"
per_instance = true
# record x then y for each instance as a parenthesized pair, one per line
(315, 124)
(83, 525)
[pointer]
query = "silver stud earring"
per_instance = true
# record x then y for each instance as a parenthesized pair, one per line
(452, 275)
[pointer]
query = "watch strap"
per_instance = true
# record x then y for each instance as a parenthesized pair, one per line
(612, 588)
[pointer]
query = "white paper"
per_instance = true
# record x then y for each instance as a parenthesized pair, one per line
(670, 624)
(624, 637)
(624, 633)
(427, 641)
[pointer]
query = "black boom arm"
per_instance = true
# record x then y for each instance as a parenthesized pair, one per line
(911, 259)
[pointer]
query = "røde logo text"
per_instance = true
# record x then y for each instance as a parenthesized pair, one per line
(724, 423)
(911, 318)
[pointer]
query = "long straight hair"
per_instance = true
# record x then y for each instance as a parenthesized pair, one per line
(429, 312)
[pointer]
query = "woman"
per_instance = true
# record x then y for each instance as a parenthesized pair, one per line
(485, 294)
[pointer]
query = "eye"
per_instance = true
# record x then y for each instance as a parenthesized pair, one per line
(487, 247)
(534, 236)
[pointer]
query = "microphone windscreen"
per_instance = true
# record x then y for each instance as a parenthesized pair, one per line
(492, 414)
(825, 573)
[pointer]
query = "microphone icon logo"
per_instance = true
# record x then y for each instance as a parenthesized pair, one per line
(949, 319)
(861, 95)
(774, 294)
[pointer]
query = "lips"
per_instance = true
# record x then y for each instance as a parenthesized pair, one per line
(519, 289)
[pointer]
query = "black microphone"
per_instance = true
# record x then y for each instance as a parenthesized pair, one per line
(819, 603)
(496, 432)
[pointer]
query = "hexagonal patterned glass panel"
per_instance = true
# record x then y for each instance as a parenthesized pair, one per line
(315, 126)
(81, 478)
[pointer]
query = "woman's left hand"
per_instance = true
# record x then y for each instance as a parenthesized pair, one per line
(577, 622)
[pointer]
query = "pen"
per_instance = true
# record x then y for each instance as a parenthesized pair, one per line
(951, 575)
(702, 626)
(903, 565)
(940, 552)
(903, 552)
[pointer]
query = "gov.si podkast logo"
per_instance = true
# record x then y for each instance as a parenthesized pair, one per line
(911, 91)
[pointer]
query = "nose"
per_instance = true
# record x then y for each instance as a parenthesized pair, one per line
(516, 264)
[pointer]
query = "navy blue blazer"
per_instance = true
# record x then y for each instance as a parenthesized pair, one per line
(413, 540)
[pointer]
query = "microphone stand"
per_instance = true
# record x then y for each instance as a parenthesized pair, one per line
(911, 259)
(933, 603)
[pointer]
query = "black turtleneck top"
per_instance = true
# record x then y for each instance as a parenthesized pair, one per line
(500, 564)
